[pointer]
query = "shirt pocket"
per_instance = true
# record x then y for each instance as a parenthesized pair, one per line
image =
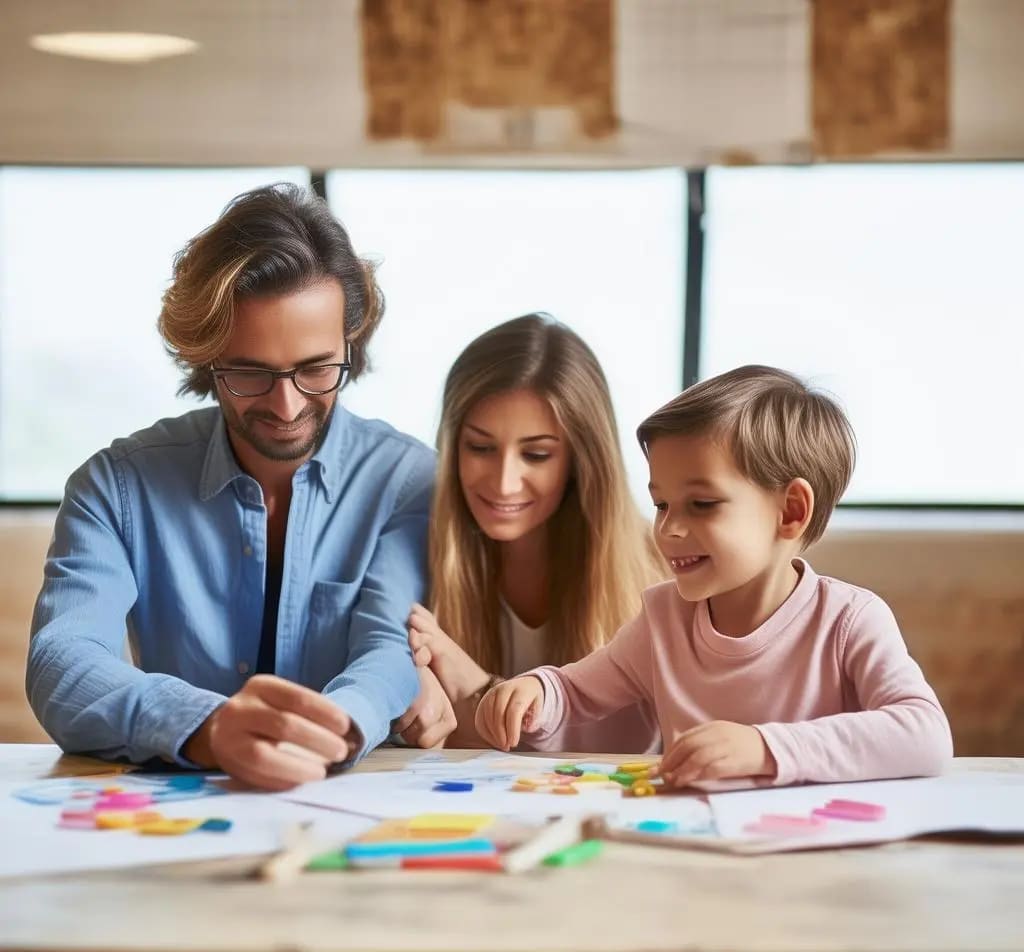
(327, 632)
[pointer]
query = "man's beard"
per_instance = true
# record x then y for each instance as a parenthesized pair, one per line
(246, 427)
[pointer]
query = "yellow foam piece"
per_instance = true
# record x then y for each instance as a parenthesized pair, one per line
(461, 822)
(635, 767)
(591, 778)
(594, 787)
(530, 781)
(125, 819)
(172, 827)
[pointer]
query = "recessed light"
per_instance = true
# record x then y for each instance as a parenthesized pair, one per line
(114, 47)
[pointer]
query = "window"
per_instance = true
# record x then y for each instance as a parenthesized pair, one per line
(85, 255)
(462, 251)
(899, 289)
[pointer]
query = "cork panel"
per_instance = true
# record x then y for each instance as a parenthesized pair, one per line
(403, 68)
(486, 54)
(971, 648)
(881, 76)
(19, 585)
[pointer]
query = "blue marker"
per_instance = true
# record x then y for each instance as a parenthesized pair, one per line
(453, 786)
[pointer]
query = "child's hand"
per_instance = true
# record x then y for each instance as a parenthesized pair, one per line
(506, 709)
(459, 674)
(714, 751)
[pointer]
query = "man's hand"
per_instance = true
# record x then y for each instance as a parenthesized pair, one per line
(507, 708)
(714, 751)
(274, 734)
(431, 717)
(460, 676)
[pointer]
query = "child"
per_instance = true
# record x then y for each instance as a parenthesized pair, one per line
(755, 665)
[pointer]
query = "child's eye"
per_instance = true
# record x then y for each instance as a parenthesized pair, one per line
(704, 504)
(661, 506)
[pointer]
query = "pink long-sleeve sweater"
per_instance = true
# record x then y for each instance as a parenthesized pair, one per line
(827, 680)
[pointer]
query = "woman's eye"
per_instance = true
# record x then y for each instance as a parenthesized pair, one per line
(536, 457)
(477, 447)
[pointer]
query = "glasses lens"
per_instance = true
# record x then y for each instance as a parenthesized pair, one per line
(319, 379)
(248, 383)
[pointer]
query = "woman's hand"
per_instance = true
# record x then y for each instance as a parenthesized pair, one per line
(431, 718)
(507, 709)
(460, 676)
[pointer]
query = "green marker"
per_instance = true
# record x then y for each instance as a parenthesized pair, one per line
(575, 854)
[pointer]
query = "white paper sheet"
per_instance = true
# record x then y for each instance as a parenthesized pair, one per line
(971, 801)
(410, 791)
(31, 843)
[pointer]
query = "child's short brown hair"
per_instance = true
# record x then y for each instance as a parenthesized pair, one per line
(777, 428)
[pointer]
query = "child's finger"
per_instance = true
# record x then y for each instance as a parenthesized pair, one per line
(514, 714)
(671, 761)
(697, 766)
(422, 657)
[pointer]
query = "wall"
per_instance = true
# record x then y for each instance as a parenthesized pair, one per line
(956, 590)
(693, 82)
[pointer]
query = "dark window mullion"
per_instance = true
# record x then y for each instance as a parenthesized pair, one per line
(694, 298)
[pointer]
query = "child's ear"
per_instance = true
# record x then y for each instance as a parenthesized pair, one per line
(797, 509)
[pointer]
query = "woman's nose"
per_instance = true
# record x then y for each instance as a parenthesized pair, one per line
(510, 477)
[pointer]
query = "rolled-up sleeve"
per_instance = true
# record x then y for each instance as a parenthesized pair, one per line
(86, 696)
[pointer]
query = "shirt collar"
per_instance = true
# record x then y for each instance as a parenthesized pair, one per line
(327, 460)
(220, 468)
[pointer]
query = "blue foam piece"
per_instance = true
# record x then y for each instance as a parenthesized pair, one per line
(418, 848)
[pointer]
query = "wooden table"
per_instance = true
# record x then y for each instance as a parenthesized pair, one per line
(920, 895)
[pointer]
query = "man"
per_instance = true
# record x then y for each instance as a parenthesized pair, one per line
(263, 553)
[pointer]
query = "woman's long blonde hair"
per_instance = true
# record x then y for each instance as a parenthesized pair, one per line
(601, 554)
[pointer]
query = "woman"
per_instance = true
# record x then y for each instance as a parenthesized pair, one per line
(537, 551)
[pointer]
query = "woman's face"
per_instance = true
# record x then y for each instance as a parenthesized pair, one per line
(514, 463)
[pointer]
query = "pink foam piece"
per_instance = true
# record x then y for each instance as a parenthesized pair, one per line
(851, 810)
(781, 823)
(123, 801)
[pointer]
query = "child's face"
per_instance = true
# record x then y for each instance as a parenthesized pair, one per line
(716, 529)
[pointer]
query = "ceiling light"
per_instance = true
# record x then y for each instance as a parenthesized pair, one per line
(114, 47)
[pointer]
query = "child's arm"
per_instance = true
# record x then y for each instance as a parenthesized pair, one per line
(901, 730)
(607, 680)
(506, 708)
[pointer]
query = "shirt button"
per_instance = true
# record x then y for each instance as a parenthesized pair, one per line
(247, 550)
(243, 667)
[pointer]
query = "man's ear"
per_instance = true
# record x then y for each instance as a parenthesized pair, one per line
(797, 509)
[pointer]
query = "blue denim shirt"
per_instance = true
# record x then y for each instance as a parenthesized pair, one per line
(163, 536)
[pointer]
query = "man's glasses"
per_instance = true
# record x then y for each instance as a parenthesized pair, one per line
(313, 381)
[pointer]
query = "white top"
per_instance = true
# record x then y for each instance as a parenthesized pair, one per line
(523, 648)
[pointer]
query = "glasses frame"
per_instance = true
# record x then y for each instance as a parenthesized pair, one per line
(344, 367)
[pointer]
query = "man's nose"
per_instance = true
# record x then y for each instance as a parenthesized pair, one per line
(284, 400)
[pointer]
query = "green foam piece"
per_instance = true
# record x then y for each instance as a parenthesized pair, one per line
(335, 859)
